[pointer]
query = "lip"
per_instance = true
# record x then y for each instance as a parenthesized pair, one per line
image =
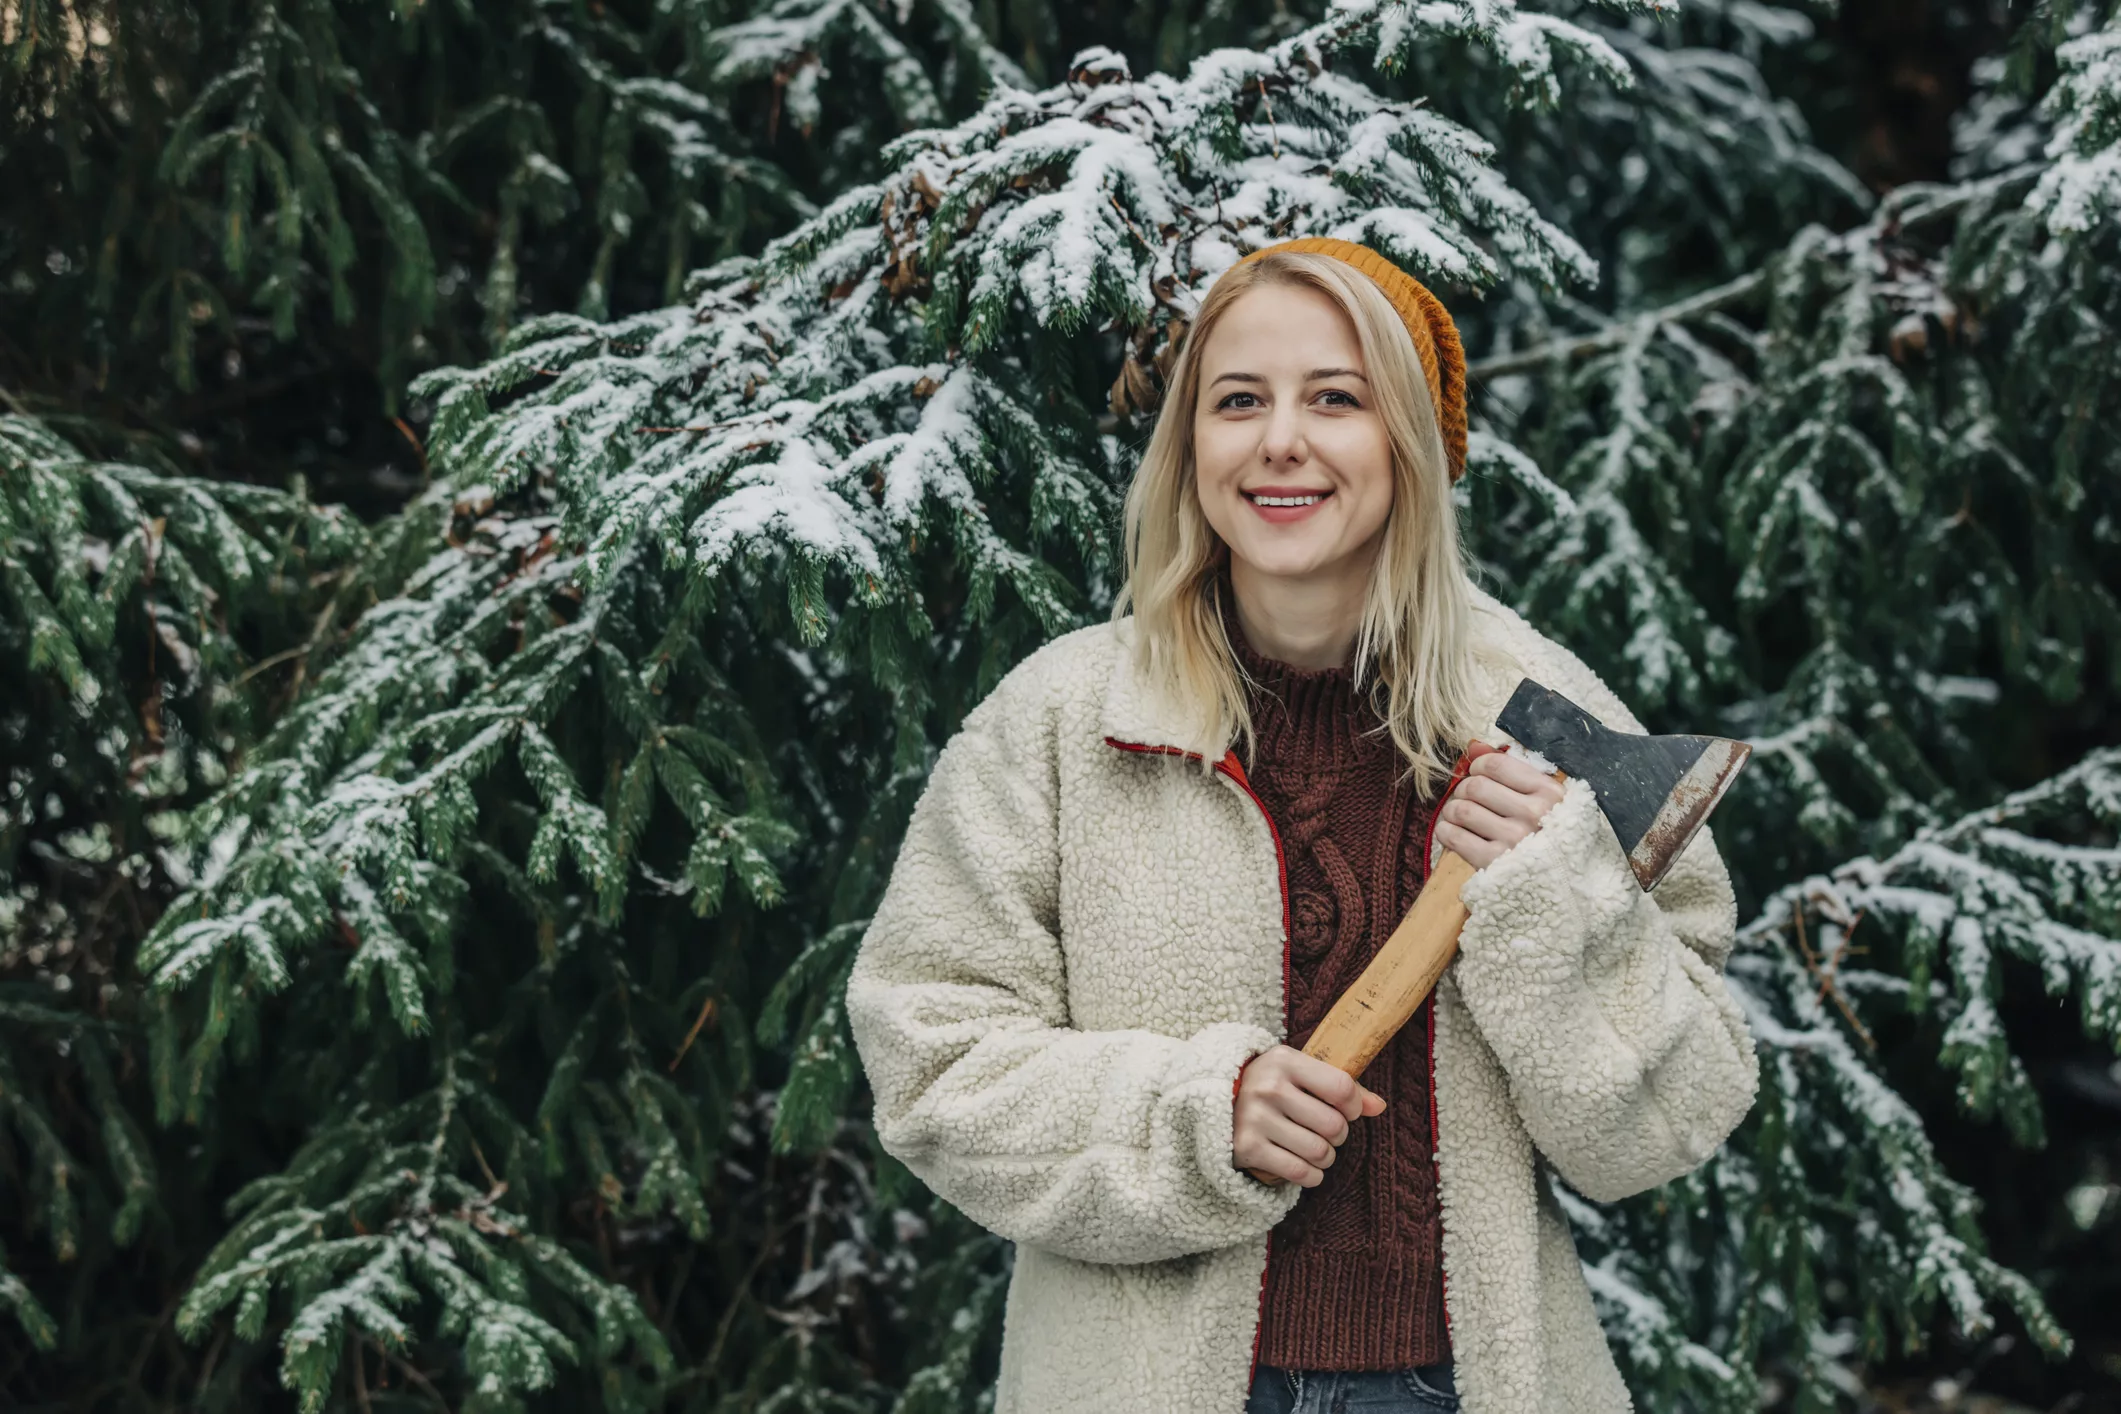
(1284, 515)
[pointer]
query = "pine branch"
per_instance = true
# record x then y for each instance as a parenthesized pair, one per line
(1905, 208)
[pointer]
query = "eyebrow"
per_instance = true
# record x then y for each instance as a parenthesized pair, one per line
(1312, 377)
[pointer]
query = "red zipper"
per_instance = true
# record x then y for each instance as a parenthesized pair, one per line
(1231, 767)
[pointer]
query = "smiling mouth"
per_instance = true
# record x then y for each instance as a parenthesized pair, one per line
(1309, 498)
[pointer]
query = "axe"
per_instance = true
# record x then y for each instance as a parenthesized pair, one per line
(1655, 790)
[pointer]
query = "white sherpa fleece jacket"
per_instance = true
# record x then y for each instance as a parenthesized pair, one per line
(1084, 939)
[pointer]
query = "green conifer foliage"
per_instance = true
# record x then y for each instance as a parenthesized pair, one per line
(1835, 1185)
(297, 205)
(131, 603)
(496, 1032)
(1858, 505)
(537, 824)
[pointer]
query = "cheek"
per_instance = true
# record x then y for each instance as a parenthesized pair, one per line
(1220, 449)
(1214, 478)
(1364, 460)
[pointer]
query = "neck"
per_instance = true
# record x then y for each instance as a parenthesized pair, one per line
(1308, 623)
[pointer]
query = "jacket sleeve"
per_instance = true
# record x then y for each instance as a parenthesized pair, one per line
(1103, 1146)
(1629, 1061)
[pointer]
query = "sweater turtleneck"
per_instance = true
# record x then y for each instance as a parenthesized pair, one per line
(1355, 1272)
(1301, 712)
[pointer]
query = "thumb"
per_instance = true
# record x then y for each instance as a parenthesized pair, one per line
(1372, 1102)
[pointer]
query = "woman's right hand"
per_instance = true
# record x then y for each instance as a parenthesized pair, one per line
(1292, 1115)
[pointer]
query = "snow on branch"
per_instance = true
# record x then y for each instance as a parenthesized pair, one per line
(369, 1224)
(2082, 188)
(829, 406)
(1834, 1175)
(2036, 878)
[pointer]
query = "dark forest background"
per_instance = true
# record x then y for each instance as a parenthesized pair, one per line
(234, 234)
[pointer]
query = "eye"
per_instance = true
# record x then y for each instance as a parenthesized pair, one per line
(1229, 400)
(1346, 399)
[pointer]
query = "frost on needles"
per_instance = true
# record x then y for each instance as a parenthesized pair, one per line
(572, 836)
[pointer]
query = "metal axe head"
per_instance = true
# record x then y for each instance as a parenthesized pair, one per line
(1656, 790)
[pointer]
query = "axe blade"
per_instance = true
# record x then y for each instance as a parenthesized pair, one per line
(1655, 790)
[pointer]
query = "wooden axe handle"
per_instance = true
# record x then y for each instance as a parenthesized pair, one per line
(1397, 981)
(1401, 976)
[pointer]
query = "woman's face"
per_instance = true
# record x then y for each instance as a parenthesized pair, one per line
(1291, 460)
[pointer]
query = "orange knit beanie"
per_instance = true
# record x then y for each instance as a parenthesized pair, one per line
(1443, 361)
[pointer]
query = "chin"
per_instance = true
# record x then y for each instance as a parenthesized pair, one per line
(1284, 561)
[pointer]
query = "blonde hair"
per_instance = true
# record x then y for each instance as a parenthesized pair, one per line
(1413, 651)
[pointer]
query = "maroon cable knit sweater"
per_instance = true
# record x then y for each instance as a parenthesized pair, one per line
(1355, 1271)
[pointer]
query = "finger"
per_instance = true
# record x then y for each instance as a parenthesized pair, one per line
(1299, 1142)
(1372, 1102)
(1466, 845)
(1264, 1069)
(1475, 818)
(1328, 1082)
(1286, 1165)
(1517, 776)
(1277, 1162)
(1516, 773)
(1505, 800)
(1314, 1114)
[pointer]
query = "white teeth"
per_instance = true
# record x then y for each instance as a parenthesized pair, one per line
(1287, 500)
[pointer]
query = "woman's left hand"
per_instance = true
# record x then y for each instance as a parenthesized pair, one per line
(1500, 801)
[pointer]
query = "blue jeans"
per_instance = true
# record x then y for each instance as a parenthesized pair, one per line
(1427, 1389)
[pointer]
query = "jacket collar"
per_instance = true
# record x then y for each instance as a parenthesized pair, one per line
(1135, 714)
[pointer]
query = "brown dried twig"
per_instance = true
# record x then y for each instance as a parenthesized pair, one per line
(706, 1011)
(1829, 985)
(1272, 131)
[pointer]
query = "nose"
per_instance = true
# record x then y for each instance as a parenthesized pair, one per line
(1281, 436)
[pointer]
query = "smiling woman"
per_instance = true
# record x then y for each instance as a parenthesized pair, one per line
(1312, 417)
(1108, 933)
(1293, 466)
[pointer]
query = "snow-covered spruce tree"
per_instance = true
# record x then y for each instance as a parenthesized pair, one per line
(786, 65)
(741, 564)
(251, 223)
(610, 784)
(1697, 169)
(131, 600)
(1860, 505)
(1833, 1224)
